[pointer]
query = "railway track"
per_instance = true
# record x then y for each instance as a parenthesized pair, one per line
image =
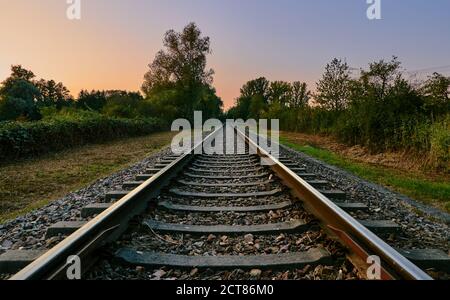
(225, 217)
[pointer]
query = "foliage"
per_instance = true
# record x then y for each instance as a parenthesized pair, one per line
(53, 94)
(437, 95)
(177, 83)
(440, 144)
(279, 91)
(180, 70)
(379, 110)
(67, 129)
(261, 98)
(23, 96)
(183, 62)
(122, 104)
(333, 89)
(38, 116)
(300, 95)
(18, 96)
(257, 87)
(94, 100)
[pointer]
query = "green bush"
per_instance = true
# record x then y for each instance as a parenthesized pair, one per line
(67, 130)
(440, 144)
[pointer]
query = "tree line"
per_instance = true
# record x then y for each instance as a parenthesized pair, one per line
(379, 109)
(177, 83)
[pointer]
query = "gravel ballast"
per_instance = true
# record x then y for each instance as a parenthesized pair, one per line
(28, 231)
(423, 227)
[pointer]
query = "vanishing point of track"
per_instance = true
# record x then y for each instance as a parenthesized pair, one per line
(229, 215)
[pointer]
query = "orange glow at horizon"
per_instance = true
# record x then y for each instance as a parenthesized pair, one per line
(77, 55)
(101, 52)
(115, 40)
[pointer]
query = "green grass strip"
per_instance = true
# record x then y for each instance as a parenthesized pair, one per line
(434, 192)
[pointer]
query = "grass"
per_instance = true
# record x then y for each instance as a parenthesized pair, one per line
(435, 191)
(33, 183)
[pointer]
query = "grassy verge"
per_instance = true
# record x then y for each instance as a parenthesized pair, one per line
(30, 184)
(433, 191)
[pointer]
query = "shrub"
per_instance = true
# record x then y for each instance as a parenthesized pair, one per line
(440, 144)
(17, 108)
(59, 132)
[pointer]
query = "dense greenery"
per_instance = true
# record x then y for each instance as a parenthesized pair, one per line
(40, 115)
(178, 82)
(67, 129)
(380, 109)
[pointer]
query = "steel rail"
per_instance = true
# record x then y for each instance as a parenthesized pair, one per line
(106, 227)
(358, 238)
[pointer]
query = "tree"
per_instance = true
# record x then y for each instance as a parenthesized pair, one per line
(333, 89)
(300, 95)
(19, 95)
(258, 106)
(18, 72)
(53, 94)
(381, 77)
(436, 91)
(279, 91)
(384, 107)
(209, 103)
(256, 87)
(181, 67)
(242, 108)
(121, 107)
(94, 100)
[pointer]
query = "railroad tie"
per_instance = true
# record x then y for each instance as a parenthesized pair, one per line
(275, 228)
(94, 209)
(285, 160)
(227, 157)
(228, 171)
(131, 185)
(313, 256)
(260, 208)
(168, 161)
(307, 176)
(115, 195)
(162, 165)
(153, 170)
(206, 166)
(380, 226)
(352, 207)
(221, 162)
(318, 183)
(428, 258)
(64, 228)
(297, 169)
(226, 177)
(13, 261)
(227, 161)
(334, 194)
(225, 195)
(143, 177)
(191, 183)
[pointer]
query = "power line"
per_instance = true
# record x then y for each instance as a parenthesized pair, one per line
(417, 72)
(428, 70)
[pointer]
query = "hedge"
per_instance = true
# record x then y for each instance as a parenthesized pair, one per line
(24, 139)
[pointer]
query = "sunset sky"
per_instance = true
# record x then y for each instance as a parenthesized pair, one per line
(110, 47)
